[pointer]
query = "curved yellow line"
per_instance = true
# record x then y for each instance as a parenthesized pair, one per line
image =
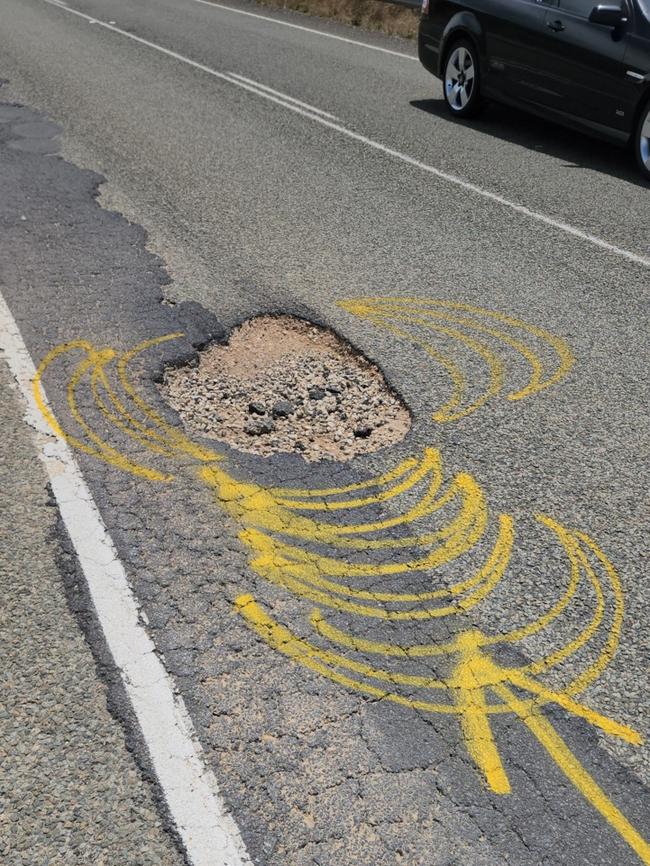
(375, 673)
(587, 632)
(363, 645)
(484, 582)
(204, 455)
(44, 409)
(96, 375)
(282, 639)
(294, 559)
(493, 362)
(608, 651)
(266, 516)
(536, 382)
(559, 346)
(469, 515)
(486, 675)
(516, 676)
(366, 307)
(447, 411)
(281, 578)
(307, 493)
(578, 683)
(495, 366)
(497, 370)
(340, 661)
(254, 506)
(276, 550)
(428, 505)
(104, 452)
(430, 463)
(555, 746)
(143, 429)
(107, 453)
(544, 621)
(579, 561)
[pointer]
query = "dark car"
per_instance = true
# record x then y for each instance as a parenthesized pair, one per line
(583, 65)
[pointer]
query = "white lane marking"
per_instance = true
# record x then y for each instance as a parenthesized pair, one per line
(208, 833)
(308, 29)
(283, 96)
(468, 186)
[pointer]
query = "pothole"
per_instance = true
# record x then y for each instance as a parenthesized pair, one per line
(284, 385)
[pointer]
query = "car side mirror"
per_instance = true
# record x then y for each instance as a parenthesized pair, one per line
(608, 15)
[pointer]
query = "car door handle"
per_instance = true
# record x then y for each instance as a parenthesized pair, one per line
(555, 26)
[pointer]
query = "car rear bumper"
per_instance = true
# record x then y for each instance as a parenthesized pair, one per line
(429, 48)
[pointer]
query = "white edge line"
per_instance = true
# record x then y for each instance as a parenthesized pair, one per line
(308, 29)
(208, 833)
(279, 93)
(567, 228)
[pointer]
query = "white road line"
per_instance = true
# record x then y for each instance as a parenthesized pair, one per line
(473, 188)
(299, 102)
(209, 834)
(308, 29)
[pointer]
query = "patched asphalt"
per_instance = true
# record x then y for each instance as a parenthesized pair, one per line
(313, 773)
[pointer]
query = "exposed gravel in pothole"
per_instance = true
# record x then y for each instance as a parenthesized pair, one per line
(284, 385)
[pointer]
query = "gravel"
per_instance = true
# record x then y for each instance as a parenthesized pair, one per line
(283, 385)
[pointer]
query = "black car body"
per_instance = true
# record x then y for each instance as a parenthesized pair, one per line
(582, 65)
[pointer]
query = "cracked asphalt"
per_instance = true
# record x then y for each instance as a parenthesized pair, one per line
(315, 774)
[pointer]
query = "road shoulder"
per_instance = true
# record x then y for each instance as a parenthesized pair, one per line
(72, 793)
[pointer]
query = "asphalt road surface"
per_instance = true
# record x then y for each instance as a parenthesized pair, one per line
(281, 164)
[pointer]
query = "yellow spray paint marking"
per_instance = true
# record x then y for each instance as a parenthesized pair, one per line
(472, 676)
(261, 510)
(496, 367)
(98, 381)
(430, 462)
(290, 573)
(546, 734)
(436, 316)
(103, 451)
(270, 514)
(324, 561)
(574, 544)
(174, 436)
(300, 492)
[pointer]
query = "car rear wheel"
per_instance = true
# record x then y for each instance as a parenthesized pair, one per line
(462, 79)
(642, 142)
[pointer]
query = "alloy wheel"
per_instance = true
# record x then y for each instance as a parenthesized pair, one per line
(644, 141)
(460, 77)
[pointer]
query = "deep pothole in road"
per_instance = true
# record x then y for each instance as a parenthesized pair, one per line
(282, 384)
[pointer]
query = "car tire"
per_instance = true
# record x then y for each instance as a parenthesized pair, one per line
(642, 141)
(462, 79)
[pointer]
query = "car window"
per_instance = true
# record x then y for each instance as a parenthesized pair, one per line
(578, 7)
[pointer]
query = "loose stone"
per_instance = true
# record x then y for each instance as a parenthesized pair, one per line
(282, 409)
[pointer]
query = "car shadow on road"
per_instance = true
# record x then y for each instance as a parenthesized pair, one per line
(575, 149)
